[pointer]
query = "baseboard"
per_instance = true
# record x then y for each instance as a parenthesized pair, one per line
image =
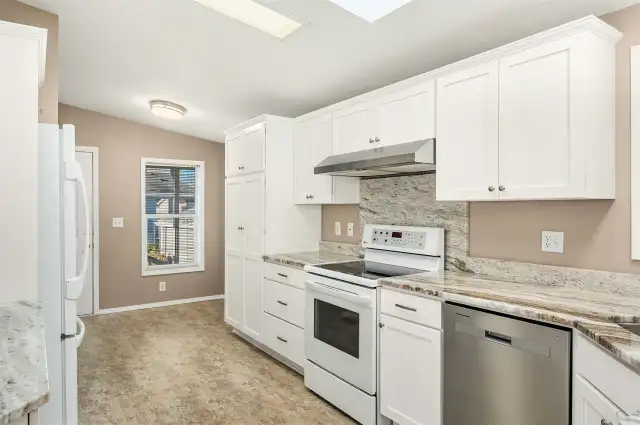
(161, 304)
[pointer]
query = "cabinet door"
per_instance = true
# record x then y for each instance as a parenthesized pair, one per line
(408, 115)
(235, 216)
(467, 135)
(253, 160)
(590, 406)
(354, 128)
(253, 215)
(410, 372)
(253, 310)
(312, 145)
(541, 151)
(235, 152)
(234, 290)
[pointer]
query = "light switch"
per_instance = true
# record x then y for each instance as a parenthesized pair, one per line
(117, 222)
(338, 228)
(350, 229)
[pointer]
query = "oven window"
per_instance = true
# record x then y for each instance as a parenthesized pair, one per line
(338, 327)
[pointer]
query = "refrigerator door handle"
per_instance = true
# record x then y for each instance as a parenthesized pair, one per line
(73, 173)
(80, 335)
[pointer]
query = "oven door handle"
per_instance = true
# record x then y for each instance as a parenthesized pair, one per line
(338, 293)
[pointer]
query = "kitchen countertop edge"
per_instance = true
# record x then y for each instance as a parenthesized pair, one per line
(23, 364)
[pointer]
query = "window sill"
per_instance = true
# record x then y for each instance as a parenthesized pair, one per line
(176, 270)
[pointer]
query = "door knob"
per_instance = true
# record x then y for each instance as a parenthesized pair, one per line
(501, 188)
(491, 188)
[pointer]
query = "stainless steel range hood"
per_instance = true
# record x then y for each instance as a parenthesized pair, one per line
(405, 158)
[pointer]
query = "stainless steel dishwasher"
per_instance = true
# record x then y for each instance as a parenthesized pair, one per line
(500, 370)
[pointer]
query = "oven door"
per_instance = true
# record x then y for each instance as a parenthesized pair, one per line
(340, 330)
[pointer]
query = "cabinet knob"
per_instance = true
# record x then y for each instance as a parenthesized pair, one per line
(604, 422)
(310, 197)
(381, 325)
(242, 167)
(491, 188)
(370, 140)
(501, 188)
(377, 139)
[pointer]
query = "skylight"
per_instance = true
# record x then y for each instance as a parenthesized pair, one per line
(370, 10)
(255, 15)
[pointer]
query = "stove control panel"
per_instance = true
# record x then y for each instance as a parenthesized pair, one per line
(398, 238)
(404, 239)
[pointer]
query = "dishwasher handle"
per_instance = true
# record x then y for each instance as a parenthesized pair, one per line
(497, 338)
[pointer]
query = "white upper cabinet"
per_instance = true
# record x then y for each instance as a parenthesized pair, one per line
(403, 116)
(468, 131)
(245, 151)
(355, 128)
(312, 145)
(542, 143)
(407, 115)
(535, 120)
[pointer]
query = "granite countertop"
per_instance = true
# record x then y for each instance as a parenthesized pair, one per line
(595, 314)
(301, 259)
(24, 383)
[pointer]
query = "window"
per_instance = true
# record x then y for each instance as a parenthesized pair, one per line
(173, 216)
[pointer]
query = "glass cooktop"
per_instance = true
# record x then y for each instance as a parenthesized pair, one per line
(368, 269)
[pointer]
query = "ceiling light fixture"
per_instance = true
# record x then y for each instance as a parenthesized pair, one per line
(255, 15)
(370, 10)
(168, 110)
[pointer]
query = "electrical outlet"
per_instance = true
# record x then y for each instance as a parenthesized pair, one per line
(350, 229)
(117, 222)
(162, 286)
(553, 242)
(338, 229)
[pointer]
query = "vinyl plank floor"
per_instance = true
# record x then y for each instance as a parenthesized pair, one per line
(183, 365)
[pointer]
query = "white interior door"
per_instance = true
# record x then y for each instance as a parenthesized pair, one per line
(85, 302)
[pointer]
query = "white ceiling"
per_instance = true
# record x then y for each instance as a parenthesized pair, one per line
(116, 55)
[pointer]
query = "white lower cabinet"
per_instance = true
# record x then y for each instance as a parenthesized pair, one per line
(410, 372)
(590, 406)
(284, 338)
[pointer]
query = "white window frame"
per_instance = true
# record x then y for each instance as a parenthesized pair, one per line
(199, 222)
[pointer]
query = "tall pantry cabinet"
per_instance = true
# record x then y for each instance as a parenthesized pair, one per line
(261, 217)
(22, 64)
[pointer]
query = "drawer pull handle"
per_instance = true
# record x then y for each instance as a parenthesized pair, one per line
(604, 422)
(282, 303)
(282, 274)
(282, 339)
(404, 307)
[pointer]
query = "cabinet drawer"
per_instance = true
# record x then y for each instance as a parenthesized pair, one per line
(284, 274)
(284, 302)
(284, 338)
(410, 307)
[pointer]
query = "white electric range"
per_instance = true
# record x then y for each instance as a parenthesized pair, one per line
(342, 313)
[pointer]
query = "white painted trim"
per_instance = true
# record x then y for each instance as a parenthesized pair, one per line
(160, 304)
(31, 33)
(635, 152)
(199, 222)
(587, 24)
(95, 160)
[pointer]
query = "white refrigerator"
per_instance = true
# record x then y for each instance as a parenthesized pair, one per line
(63, 258)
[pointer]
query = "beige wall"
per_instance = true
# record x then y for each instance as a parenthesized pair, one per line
(121, 145)
(344, 214)
(14, 11)
(597, 233)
